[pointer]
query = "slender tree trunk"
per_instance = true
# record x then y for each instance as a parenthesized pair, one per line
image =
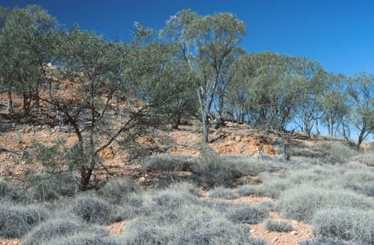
(307, 128)
(176, 121)
(360, 138)
(10, 102)
(26, 103)
(205, 126)
(204, 114)
(283, 145)
(116, 111)
(317, 126)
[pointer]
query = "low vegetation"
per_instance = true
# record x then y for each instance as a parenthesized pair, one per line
(16, 220)
(92, 210)
(345, 223)
(278, 226)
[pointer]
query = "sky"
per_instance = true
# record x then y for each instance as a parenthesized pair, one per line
(337, 33)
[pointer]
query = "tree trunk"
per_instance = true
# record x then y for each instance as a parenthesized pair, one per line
(283, 145)
(317, 127)
(360, 139)
(307, 128)
(204, 113)
(10, 102)
(176, 121)
(116, 111)
(205, 126)
(85, 177)
(26, 103)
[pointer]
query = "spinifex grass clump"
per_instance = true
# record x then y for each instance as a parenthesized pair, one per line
(48, 187)
(248, 214)
(168, 163)
(222, 192)
(302, 202)
(16, 220)
(119, 188)
(345, 223)
(9, 192)
(278, 226)
(92, 210)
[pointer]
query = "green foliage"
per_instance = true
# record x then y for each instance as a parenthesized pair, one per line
(345, 223)
(278, 226)
(25, 43)
(334, 152)
(362, 94)
(214, 171)
(16, 220)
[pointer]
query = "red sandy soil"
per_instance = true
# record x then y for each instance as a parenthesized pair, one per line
(302, 231)
(10, 242)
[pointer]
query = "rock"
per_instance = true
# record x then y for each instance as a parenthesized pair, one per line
(275, 239)
(142, 179)
(238, 138)
(294, 233)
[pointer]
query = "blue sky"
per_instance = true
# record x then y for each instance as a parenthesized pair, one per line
(338, 33)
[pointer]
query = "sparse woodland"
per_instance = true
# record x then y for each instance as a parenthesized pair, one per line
(191, 75)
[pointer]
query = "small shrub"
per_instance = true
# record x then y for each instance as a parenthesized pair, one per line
(185, 187)
(218, 205)
(334, 152)
(9, 192)
(52, 186)
(222, 192)
(92, 210)
(215, 171)
(117, 189)
(17, 220)
(302, 202)
(266, 205)
(245, 213)
(168, 163)
(249, 190)
(170, 199)
(345, 224)
(278, 226)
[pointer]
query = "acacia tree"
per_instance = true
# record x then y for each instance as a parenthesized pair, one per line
(209, 44)
(314, 76)
(95, 70)
(361, 91)
(334, 103)
(25, 39)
